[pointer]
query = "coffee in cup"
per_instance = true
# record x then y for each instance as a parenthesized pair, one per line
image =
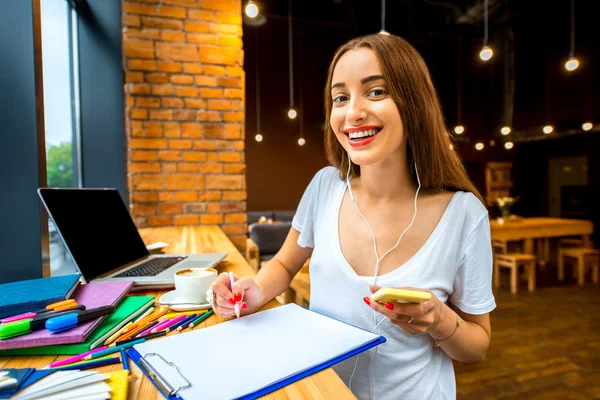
(193, 284)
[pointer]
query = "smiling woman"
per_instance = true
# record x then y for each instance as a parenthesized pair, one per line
(396, 210)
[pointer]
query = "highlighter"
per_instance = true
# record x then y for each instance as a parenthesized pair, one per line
(71, 320)
(24, 326)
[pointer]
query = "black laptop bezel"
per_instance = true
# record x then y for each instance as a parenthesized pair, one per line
(82, 270)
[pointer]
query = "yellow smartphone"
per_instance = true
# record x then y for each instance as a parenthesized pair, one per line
(389, 295)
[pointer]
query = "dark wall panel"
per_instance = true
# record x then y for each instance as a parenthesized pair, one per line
(20, 236)
(102, 107)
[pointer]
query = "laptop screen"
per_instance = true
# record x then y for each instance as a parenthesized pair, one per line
(96, 228)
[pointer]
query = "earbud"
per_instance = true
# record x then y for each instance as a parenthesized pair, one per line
(348, 179)
(378, 260)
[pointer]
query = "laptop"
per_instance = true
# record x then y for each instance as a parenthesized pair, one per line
(104, 243)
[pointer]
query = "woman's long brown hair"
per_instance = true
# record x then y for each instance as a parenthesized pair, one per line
(409, 83)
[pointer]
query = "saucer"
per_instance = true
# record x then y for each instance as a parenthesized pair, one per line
(174, 301)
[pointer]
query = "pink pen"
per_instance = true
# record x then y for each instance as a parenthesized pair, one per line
(236, 306)
(18, 317)
(76, 358)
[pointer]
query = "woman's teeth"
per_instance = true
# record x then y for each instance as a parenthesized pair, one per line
(362, 134)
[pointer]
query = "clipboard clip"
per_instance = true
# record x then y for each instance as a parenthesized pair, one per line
(160, 380)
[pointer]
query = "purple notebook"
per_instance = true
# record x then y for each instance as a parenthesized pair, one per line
(92, 295)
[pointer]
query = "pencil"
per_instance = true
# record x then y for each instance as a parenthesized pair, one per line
(168, 324)
(112, 350)
(173, 315)
(118, 333)
(144, 315)
(145, 338)
(176, 326)
(201, 318)
(124, 359)
(94, 364)
(134, 332)
(181, 326)
(76, 358)
(154, 316)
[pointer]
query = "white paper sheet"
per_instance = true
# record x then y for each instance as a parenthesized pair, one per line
(241, 356)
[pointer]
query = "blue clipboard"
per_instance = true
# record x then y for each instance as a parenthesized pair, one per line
(137, 358)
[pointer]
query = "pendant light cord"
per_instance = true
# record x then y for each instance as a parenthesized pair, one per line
(572, 51)
(291, 53)
(485, 22)
(257, 85)
(383, 15)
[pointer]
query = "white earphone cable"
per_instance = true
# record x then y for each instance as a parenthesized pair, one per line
(378, 261)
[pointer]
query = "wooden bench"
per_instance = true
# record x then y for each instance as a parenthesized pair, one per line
(585, 257)
(513, 261)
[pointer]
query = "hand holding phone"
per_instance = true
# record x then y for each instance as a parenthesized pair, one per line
(390, 295)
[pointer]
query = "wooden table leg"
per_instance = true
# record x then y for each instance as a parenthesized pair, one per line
(587, 242)
(528, 244)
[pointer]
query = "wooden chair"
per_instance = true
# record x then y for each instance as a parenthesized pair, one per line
(584, 257)
(567, 243)
(299, 290)
(513, 261)
(252, 254)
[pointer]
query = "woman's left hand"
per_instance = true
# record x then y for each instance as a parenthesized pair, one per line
(410, 317)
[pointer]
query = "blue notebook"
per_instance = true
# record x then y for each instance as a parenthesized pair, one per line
(281, 346)
(26, 296)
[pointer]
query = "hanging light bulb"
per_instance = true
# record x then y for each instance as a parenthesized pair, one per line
(251, 9)
(479, 146)
(459, 129)
(383, 32)
(509, 145)
(258, 137)
(301, 141)
(505, 130)
(548, 129)
(292, 113)
(451, 146)
(587, 126)
(486, 53)
(572, 64)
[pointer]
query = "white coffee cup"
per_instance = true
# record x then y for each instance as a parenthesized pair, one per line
(193, 284)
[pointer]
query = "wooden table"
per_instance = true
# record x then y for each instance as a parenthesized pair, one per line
(528, 229)
(323, 385)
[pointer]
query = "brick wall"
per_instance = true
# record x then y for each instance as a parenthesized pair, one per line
(184, 86)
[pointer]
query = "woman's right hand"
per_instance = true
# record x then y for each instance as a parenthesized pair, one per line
(245, 292)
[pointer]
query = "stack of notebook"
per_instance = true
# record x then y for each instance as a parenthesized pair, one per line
(67, 385)
(85, 336)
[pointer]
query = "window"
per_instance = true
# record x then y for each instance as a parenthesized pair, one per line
(59, 61)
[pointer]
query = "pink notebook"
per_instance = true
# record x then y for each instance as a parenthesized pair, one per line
(92, 295)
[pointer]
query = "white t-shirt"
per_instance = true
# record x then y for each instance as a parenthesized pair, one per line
(455, 263)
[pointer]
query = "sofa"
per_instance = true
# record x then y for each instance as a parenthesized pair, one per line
(267, 231)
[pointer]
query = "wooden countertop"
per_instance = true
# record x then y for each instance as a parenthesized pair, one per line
(323, 385)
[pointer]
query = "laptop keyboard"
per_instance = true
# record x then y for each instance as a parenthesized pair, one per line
(151, 267)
